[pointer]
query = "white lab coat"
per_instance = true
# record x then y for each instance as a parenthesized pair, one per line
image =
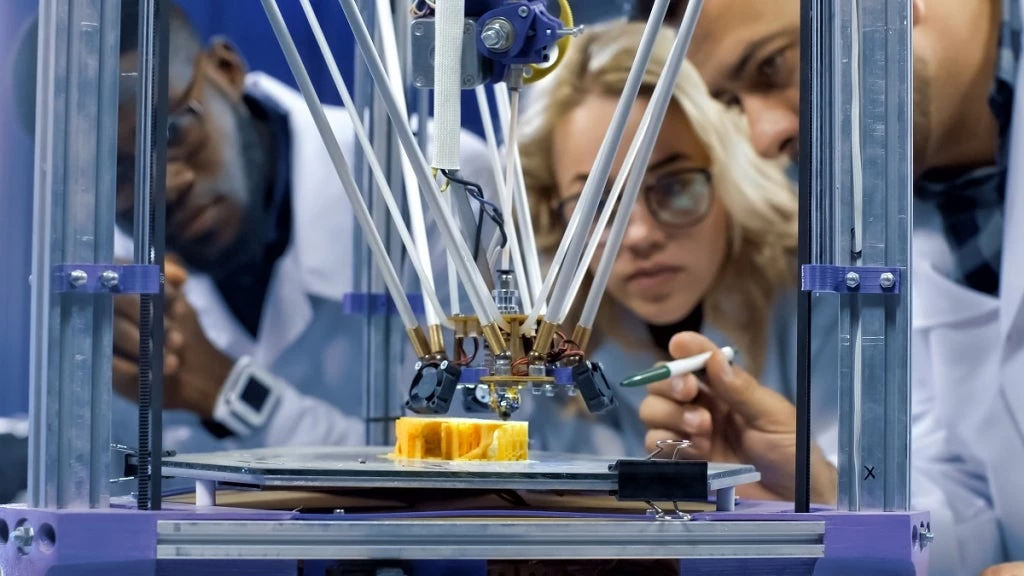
(305, 338)
(968, 391)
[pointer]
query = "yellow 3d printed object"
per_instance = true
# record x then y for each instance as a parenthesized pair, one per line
(461, 439)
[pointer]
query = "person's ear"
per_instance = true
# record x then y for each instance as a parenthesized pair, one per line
(228, 64)
(918, 11)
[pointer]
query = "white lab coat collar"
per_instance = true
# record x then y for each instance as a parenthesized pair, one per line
(1012, 277)
(321, 216)
(937, 300)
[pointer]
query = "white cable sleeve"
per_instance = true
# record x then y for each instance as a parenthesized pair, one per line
(473, 281)
(389, 46)
(571, 247)
(348, 182)
(451, 16)
(434, 312)
(527, 238)
(657, 108)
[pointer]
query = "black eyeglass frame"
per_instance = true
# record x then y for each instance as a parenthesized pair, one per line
(561, 211)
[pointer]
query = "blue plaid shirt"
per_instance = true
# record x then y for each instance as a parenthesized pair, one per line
(972, 202)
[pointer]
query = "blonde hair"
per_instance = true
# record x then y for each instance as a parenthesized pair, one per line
(760, 202)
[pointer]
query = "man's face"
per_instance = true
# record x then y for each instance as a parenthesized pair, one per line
(207, 185)
(749, 54)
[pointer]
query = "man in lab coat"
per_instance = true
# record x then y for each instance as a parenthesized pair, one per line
(257, 214)
(968, 323)
(259, 350)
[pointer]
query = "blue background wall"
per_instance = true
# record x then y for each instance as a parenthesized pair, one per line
(15, 219)
(244, 22)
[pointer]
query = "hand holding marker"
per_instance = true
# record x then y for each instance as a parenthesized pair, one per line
(675, 368)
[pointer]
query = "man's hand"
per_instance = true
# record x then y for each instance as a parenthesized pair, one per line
(202, 368)
(733, 419)
(1008, 569)
(194, 370)
(126, 337)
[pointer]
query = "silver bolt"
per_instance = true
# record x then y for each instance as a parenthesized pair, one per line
(418, 29)
(109, 278)
(498, 35)
(467, 80)
(23, 537)
(852, 279)
(421, 81)
(78, 278)
(524, 11)
(927, 537)
(887, 280)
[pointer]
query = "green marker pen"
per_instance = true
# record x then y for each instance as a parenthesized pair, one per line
(674, 368)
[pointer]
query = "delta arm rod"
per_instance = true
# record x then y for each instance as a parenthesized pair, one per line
(516, 331)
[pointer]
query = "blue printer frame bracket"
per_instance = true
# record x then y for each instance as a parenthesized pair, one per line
(850, 279)
(106, 278)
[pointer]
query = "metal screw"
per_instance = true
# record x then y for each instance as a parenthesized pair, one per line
(78, 278)
(887, 280)
(498, 35)
(109, 278)
(22, 537)
(418, 29)
(467, 80)
(927, 537)
(524, 11)
(852, 279)
(362, 460)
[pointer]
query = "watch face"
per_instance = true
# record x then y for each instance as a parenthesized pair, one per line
(255, 394)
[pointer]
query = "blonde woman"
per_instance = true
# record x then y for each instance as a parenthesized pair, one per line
(710, 247)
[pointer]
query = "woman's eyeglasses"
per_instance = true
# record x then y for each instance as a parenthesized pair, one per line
(678, 199)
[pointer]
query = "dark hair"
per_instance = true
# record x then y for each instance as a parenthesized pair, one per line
(642, 10)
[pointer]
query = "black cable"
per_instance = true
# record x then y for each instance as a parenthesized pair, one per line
(486, 206)
(808, 81)
(479, 233)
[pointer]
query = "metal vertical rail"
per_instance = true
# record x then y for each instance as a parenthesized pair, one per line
(860, 188)
(73, 222)
(398, 342)
(375, 376)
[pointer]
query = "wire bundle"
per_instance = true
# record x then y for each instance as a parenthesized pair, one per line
(421, 8)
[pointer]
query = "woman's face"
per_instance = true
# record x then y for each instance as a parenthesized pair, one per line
(677, 237)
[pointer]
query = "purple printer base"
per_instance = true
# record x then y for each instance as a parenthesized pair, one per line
(123, 542)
